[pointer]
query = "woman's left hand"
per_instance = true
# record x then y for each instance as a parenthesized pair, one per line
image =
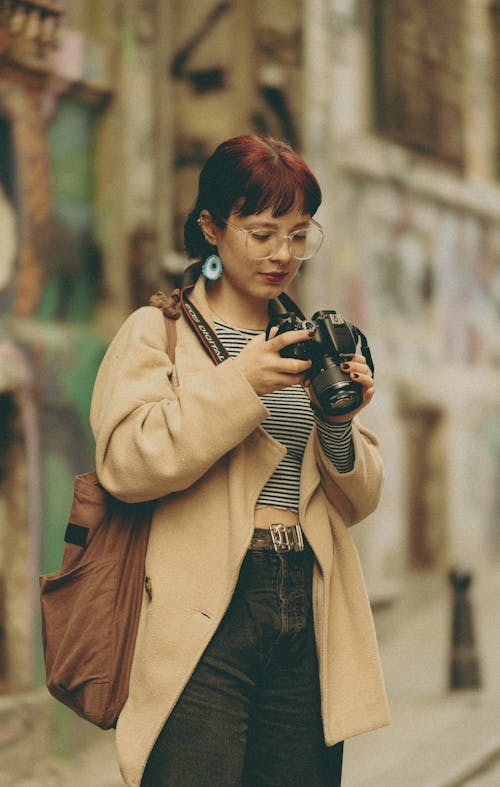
(359, 372)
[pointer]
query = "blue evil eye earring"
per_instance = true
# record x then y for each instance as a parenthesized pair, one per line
(212, 267)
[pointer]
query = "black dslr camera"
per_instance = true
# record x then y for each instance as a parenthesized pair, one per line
(335, 340)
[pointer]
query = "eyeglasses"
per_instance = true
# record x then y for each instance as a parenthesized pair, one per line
(261, 244)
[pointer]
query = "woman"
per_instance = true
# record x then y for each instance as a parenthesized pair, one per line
(256, 655)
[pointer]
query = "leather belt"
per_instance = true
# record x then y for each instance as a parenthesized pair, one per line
(278, 537)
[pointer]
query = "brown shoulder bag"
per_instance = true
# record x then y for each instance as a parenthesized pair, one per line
(91, 607)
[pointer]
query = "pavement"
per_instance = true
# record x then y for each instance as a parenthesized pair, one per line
(93, 767)
(438, 737)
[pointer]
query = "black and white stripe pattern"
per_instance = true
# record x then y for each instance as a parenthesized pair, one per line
(336, 442)
(290, 422)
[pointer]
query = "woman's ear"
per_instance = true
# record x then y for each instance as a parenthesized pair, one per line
(208, 227)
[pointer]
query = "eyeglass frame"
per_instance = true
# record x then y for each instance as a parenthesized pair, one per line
(288, 237)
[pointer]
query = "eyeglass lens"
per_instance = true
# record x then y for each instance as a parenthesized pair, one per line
(302, 244)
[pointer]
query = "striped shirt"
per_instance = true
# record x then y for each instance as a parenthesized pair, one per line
(290, 422)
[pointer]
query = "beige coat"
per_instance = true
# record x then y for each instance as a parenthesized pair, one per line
(191, 437)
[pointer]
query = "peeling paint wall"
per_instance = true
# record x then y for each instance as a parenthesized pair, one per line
(412, 256)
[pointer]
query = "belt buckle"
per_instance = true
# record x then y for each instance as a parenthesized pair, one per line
(286, 539)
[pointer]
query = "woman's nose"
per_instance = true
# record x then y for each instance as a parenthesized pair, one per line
(282, 250)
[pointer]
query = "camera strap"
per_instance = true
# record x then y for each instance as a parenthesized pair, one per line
(365, 349)
(207, 337)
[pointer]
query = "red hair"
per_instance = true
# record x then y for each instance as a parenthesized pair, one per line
(250, 174)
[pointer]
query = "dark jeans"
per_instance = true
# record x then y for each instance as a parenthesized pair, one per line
(250, 714)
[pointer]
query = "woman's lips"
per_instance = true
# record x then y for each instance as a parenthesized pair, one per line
(275, 278)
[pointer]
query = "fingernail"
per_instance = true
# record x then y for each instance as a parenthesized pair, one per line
(311, 333)
(345, 366)
(355, 375)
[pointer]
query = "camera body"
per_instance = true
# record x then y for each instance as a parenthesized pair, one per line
(335, 340)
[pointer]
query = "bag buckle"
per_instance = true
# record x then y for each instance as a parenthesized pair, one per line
(286, 538)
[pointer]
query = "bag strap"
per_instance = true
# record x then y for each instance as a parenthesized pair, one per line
(168, 305)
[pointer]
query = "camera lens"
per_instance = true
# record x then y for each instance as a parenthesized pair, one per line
(336, 393)
(340, 402)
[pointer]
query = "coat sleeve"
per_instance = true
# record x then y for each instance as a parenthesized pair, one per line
(355, 494)
(151, 440)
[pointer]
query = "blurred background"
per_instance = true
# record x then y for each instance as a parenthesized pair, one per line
(107, 112)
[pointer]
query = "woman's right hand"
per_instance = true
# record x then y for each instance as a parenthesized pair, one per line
(261, 363)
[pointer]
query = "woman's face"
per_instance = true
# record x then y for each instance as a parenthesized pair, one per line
(243, 272)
